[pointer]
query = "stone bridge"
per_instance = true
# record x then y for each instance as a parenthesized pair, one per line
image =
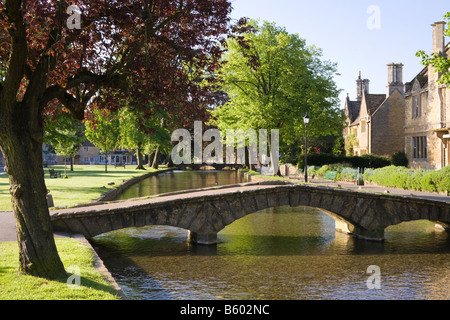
(205, 212)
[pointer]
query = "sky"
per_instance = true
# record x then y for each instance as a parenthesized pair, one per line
(358, 35)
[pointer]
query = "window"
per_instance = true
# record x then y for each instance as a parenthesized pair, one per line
(86, 149)
(419, 147)
(86, 160)
(416, 106)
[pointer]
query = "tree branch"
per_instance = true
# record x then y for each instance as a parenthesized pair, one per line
(18, 56)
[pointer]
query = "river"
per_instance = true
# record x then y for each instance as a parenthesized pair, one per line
(276, 254)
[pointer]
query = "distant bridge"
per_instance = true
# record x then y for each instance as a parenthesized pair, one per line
(205, 212)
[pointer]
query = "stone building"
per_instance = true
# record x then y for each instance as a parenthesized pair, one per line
(89, 154)
(375, 122)
(427, 116)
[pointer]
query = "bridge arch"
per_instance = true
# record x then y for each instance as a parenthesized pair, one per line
(206, 212)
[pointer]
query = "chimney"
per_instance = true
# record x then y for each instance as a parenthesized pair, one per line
(438, 37)
(366, 85)
(361, 87)
(395, 78)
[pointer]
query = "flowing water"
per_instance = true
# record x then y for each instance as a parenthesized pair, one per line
(277, 254)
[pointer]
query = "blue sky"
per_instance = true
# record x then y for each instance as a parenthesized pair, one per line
(340, 29)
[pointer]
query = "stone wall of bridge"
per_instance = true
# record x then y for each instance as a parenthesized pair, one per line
(205, 212)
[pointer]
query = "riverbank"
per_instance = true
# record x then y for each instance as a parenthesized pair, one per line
(84, 280)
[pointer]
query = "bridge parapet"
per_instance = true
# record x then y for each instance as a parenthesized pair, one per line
(205, 212)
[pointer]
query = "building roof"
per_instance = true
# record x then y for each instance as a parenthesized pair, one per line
(373, 102)
(87, 143)
(353, 108)
(422, 79)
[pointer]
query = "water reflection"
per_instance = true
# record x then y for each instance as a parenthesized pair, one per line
(279, 253)
(181, 180)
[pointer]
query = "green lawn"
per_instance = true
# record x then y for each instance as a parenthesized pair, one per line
(84, 184)
(76, 257)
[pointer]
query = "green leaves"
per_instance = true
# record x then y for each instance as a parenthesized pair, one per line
(64, 134)
(103, 130)
(273, 78)
(143, 131)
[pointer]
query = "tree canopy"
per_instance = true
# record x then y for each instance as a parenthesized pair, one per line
(103, 130)
(273, 79)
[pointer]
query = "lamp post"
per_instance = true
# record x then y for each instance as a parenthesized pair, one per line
(306, 120)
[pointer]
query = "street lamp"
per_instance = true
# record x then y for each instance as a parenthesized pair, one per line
(306, 120)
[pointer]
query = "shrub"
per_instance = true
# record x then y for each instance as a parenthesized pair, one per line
(401, 177)
(399, 159)
(441, 179)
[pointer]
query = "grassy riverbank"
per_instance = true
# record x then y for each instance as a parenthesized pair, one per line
(76, 258)
(83, 185)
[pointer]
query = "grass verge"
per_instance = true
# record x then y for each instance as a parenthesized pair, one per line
(92, 285)
(259, 175)
(83, 185)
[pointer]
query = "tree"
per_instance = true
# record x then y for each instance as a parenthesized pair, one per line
(160, 138)
(273, 79)
(138, 48)
(438, 61)
(131, 135)
(65, 135)
(103, 130)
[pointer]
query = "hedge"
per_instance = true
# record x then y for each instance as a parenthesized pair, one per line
(365, 161)
(403, 178)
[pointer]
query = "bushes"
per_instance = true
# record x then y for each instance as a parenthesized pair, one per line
(399, 159)
(365, 161)
(420, 180)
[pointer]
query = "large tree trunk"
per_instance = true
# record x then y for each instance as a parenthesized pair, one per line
(22, 147)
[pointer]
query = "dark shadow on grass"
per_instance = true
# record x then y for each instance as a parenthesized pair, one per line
(88, 283)
(6, 269)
